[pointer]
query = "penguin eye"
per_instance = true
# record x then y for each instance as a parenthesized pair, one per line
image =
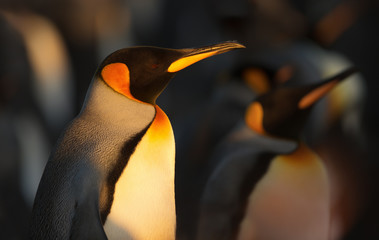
(154, 66)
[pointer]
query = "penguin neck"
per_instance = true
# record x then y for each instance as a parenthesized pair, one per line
(243, 137)
(112, 109)
(302, 158)
(144, 198)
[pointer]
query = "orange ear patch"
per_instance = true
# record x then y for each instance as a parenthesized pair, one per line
(254, 117)
(117, 76)
(316, 94)
(256, 79)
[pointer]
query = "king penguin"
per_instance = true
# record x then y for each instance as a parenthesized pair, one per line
(268, 184)
(203, 129)
(111, 173)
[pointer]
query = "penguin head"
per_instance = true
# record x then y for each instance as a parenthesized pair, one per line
(283, 112)
(142, 73)
(261, 79)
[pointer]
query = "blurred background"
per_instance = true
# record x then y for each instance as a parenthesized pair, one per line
(49, 51)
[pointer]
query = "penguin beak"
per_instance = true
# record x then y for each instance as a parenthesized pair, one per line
(193, 55)
(318, 91)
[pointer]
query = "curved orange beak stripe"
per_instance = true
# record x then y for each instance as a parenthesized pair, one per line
(195, 55)
(117, 75)
(316, 94)
(324, 88)
(187, 61)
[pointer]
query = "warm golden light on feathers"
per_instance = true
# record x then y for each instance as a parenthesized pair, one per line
(144, 198)
(117, 76)
(292, 198)
(115, 163)
(254, 117)
(145, 189)
(161, 127)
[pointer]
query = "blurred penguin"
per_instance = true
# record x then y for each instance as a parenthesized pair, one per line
(243, 163)
(212, 122)
(49, 89)
(16, 106)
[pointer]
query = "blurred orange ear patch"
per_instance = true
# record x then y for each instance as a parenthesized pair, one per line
(254, 117)
(116, 75)
(316, 94)
(256, 79)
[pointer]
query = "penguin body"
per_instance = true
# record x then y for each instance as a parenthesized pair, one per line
(88, 152)
(241, 159)
(140, 197)
(111, 173)
(293, 198)
(278, 187)
(196, 142)
(198, 136)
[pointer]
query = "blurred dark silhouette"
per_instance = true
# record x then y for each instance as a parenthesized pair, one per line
(15, 101)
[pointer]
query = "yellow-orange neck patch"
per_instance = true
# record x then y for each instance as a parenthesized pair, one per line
(254, 117)
(316, 94)
(302, 155)
(161, 125)
(145, 192)
(117, 76)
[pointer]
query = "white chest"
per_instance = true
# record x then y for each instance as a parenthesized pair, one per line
(291, 201)
(144, 199)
